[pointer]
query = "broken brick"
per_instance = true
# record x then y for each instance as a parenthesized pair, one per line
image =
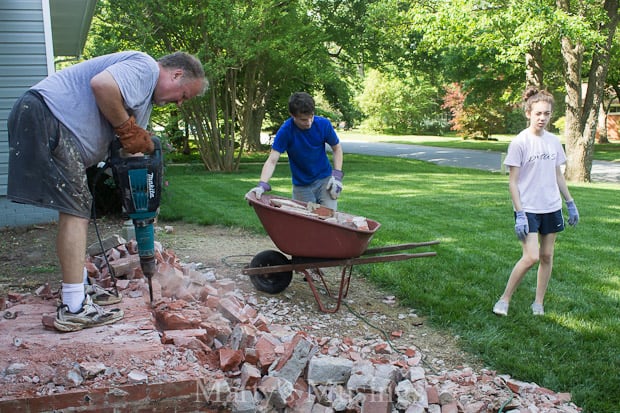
(230, 359)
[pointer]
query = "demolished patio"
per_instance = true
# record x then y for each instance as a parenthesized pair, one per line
(206, 345)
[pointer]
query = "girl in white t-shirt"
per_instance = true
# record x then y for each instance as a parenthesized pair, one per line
(536, 183)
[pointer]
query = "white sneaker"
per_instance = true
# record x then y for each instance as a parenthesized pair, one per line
(538, 309)
(90, 315)
(501, 308)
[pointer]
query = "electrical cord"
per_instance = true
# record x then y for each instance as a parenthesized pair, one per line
(226, 261)
(512, 396)
(101, 167)
(386, 336)
(383, 332)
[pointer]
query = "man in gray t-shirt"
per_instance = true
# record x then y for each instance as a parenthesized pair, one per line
(65, 124)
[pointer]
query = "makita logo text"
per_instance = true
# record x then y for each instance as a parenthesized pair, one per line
(149, 182)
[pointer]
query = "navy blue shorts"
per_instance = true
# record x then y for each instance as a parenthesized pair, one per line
(548, 223)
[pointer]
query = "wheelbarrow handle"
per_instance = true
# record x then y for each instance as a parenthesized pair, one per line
(334, 263)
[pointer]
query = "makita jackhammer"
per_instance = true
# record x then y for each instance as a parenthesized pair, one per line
(139, 178)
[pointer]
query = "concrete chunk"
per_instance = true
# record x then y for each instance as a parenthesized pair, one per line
(294, 360)
(243, 402)
(110, 242)
(328, 370)
(276, 390)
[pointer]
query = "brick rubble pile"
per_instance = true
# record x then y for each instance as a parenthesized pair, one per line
(256, 365)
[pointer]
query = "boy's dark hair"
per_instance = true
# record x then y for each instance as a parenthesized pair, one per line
(301, 103)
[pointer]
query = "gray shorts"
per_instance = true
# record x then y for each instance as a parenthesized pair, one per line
(45, 165)
(315, 192)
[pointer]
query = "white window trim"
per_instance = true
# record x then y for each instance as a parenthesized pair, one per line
(49, 43)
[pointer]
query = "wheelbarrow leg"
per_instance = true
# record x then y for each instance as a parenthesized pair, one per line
(343, 290)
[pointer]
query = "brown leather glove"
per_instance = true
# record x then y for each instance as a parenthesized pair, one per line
(133, 138)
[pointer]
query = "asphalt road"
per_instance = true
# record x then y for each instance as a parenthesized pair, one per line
(602, 171)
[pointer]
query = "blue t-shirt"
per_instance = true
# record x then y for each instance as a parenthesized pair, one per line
(306, 149)
(71, 100)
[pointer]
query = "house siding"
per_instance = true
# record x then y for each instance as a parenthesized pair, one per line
(23, 62)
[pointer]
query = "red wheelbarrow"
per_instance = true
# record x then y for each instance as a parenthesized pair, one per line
(316, 237)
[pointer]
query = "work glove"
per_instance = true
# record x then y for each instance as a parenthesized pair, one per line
(521, 225)
(260, 189)
(133, 138)
(334, 186)
(573, 214)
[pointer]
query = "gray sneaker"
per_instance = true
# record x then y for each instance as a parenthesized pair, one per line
(501, 308)
(538, 309)
(91, 315)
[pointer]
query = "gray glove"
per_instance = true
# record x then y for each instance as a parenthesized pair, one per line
(334, 186)
(573, 214)
(260, 189)
(521, 225)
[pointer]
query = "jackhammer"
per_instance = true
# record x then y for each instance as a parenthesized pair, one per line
(139, 178)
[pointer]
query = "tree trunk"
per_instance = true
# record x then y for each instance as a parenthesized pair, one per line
(573, 55)
(582, 112)
(213, 118)
(256, 90)
(601, 133)
(186, 149)
(533, 66)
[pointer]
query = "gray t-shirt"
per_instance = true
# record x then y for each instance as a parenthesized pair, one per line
(70, 98)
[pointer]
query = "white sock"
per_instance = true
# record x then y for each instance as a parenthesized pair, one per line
(73, 296)
(86, 281)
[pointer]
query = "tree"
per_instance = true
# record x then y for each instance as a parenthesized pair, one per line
(613, 89)
(578, 33)
(582, 107)
(251, 50)
(397, 105)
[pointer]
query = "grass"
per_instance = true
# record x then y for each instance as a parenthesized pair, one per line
(602, 152)
(573, 348)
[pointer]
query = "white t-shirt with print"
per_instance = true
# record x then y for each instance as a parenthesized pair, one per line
(537, 157)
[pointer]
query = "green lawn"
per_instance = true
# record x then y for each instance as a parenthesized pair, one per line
(573, 348)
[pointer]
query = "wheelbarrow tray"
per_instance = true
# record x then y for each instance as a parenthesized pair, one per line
(311, 236)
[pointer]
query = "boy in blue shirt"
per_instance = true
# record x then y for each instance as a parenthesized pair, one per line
(303, 137)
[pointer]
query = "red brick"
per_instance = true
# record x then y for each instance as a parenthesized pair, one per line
(375, 404)
(451, 407)
(177, 336)
(265, 350)
(432, 395)
(173, 321)
(232, 310)
(230, 359)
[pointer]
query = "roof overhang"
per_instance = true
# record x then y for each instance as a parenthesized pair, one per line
(70, 20)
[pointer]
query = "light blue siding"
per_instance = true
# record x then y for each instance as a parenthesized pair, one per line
(23, 63)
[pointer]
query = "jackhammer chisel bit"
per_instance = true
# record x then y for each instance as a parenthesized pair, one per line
(148, 269)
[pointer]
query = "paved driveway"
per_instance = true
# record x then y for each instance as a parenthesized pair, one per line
(602, 171)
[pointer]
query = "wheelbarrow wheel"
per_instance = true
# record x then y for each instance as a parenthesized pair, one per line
(271, 283)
